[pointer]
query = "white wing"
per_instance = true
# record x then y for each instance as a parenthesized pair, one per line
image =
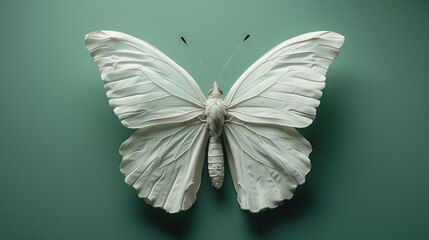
(268, 158)
(284, 86)
(162, 160)
(164, 164)
(267, 162)
(143, 85)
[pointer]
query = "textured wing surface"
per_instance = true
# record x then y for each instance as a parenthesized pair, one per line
(164, 164)
(267, 163)
(268, 158)
(143, 85)
(163, 159)
(283, 87)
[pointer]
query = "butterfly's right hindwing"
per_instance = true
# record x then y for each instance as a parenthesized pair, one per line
(163, 159)
(267, 163)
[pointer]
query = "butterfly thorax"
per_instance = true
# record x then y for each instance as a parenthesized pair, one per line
(215, 113)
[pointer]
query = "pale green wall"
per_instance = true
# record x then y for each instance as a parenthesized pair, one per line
(59, 176)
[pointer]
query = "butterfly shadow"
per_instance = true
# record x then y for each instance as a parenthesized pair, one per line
(177, 225)
(263, 222)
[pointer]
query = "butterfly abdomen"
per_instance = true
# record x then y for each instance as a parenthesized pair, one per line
(215, 162)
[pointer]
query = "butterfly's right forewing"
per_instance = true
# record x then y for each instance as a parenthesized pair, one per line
(284, 86)
(163, 159)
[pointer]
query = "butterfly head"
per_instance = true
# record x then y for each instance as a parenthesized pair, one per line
(215, 92)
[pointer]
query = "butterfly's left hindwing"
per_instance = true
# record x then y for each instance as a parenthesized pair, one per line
(164, 164)
(163, 159)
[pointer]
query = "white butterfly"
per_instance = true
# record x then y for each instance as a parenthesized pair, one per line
(163, 159)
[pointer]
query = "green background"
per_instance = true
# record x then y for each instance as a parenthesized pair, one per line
(59, 176)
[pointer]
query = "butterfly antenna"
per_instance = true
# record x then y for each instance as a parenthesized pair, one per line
(197, 57)
(235, 51)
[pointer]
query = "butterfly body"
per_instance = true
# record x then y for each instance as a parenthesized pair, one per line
(215, 113)
(255, 122)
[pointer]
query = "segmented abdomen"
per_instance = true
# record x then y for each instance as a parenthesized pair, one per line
(215, 162)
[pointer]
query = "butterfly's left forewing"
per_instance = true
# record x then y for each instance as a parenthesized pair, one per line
(144, 86)
(163, 159)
